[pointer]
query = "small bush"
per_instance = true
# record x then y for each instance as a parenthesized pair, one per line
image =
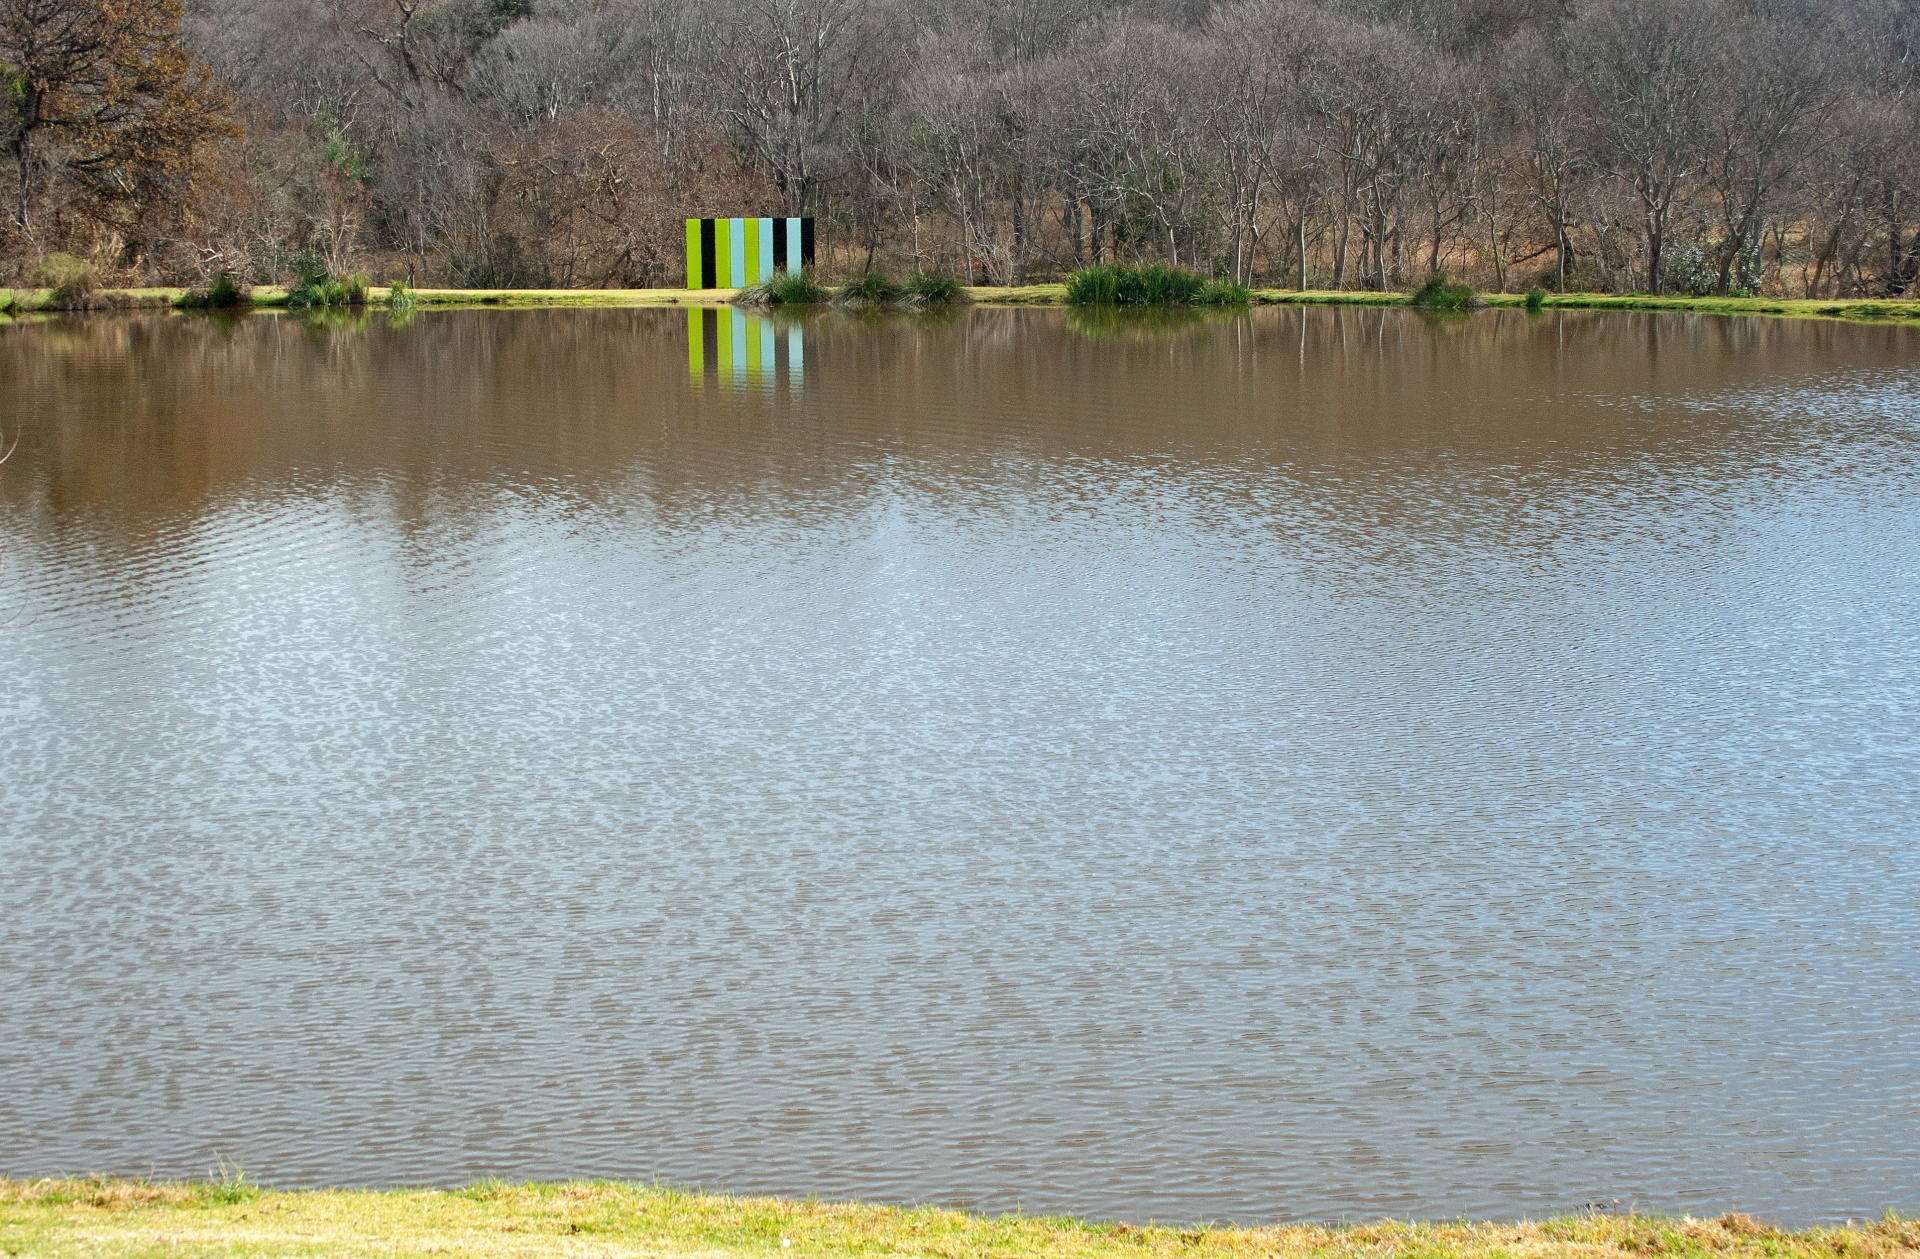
(72, 280)
(1155, 285)
(399, 297)
(223, 294)
(1442, 292)
(1536, 297)
(869, 289)
(1689, 270)
(313, 290)
(55, 270)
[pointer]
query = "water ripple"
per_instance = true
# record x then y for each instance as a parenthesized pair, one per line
(1301, 765)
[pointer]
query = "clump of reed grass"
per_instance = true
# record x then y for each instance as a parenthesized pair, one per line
(870, 290)
(925, 290)
(399, 297)
(795, 288)
(320, 291)
(1536, 297)
(1218, 292)
(866, 291)
(786, 288)
(1441, 291)
(1156, 284)
(225, 293)
(229, 1186)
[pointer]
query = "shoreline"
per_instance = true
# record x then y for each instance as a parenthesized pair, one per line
(1902, 310)
(236, 1219)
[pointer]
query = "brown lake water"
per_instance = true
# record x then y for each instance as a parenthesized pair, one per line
(1309, 764)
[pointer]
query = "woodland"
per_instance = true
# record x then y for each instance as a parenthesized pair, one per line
(1667, 146)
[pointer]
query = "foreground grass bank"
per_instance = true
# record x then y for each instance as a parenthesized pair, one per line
(126, 1218)
(1883, 310)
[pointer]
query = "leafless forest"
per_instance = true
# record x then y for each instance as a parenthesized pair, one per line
(1696, 146)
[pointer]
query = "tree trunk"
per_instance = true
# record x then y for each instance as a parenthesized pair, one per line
(1654, 242)
(30, 105)
(1893, 243)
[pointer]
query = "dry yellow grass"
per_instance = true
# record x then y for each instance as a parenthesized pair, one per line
(126, 1218)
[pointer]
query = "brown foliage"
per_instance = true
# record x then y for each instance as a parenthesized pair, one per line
(111, 113)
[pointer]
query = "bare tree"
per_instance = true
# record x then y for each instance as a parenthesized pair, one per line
(790, 72)
(1547, 109)
(1648, 65)
(1378, 94)
(1773, 83)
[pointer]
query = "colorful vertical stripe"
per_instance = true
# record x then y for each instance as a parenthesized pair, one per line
(733, 253)
(696, 344)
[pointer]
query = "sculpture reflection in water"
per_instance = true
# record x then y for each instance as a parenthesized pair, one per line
(744, 350)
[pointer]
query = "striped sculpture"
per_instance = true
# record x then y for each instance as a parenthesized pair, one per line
(733, 253)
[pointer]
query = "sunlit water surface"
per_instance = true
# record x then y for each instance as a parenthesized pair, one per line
(1309, 764)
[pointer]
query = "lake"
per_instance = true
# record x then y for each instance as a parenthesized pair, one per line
(1309, 764)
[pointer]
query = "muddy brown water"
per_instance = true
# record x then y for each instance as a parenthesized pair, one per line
(1310, 764)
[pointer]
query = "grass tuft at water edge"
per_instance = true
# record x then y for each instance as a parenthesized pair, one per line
(1442, 292)
(225, 293)
(1157, 284)
(321, 291)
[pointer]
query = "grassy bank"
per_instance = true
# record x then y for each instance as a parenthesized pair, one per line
(1904, 310)
(1876, 311)
(274, 297)
(1882, 310)
(124, 1218)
